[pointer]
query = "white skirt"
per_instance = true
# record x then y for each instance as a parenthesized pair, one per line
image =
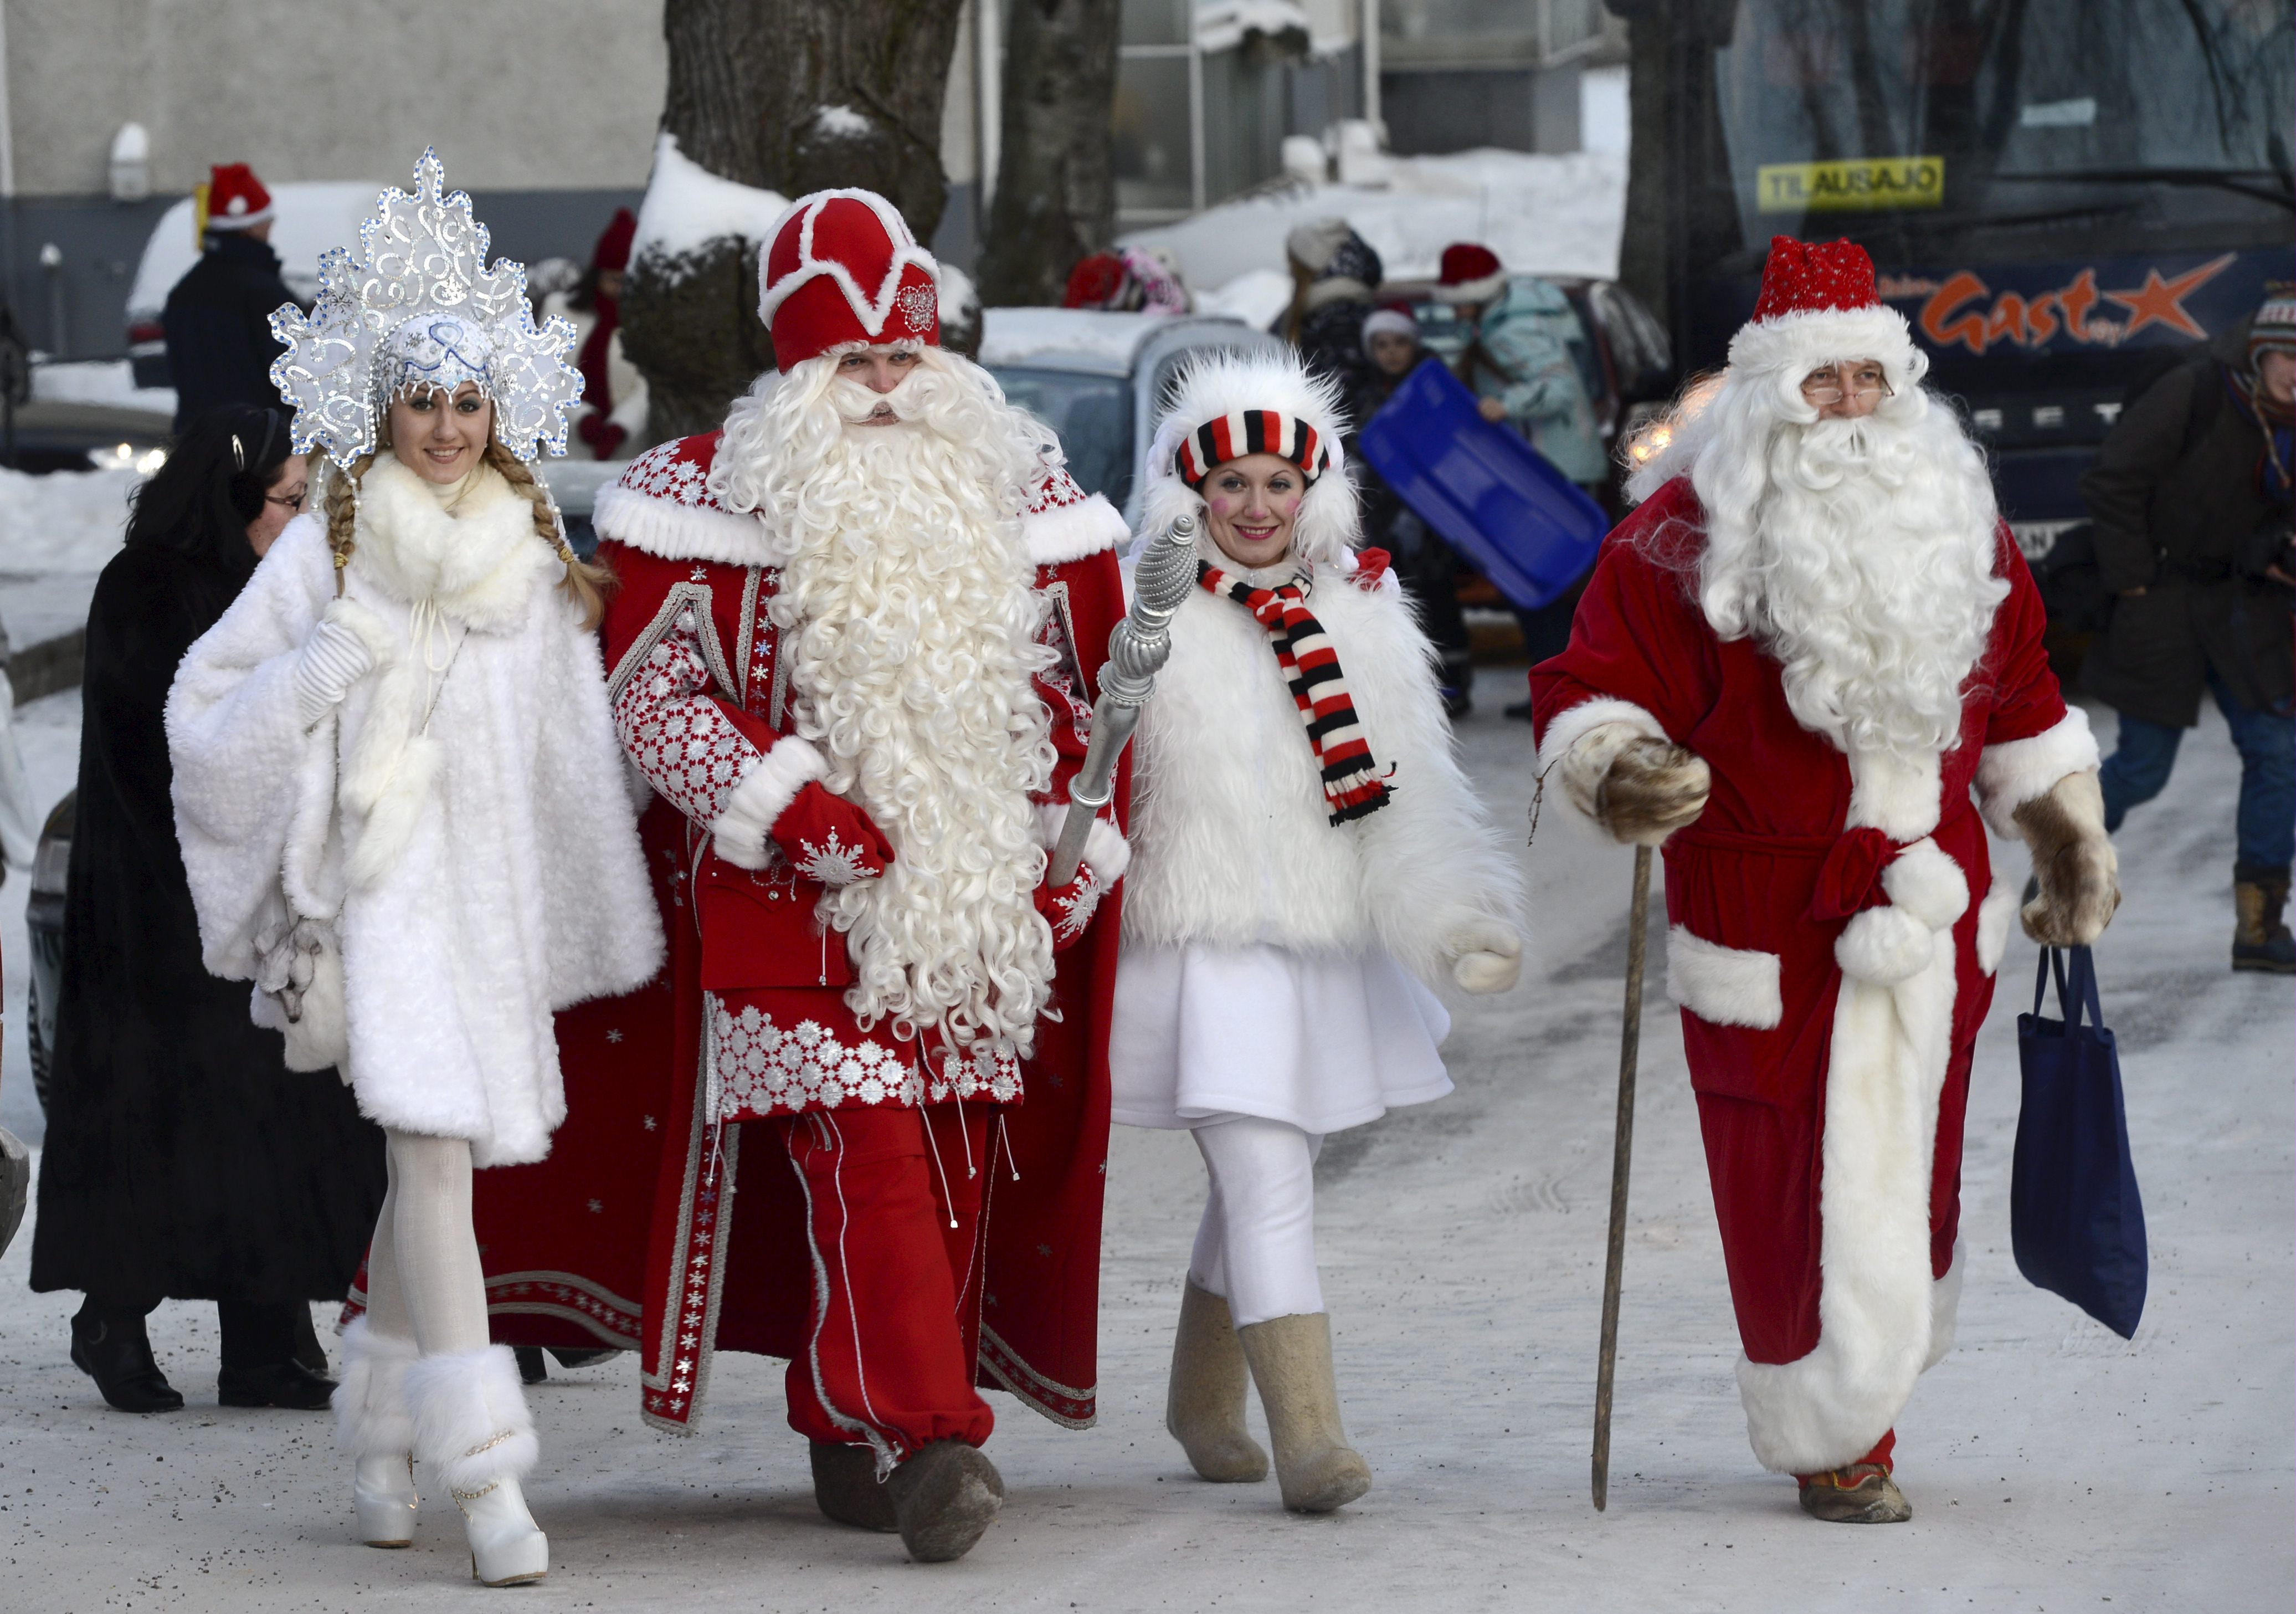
(1200, 1034)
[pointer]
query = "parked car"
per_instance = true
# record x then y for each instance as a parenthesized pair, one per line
(1096, 378)
(311, 219)
(43, 917)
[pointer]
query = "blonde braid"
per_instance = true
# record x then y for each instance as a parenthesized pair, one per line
(585, 584)
(341, 506)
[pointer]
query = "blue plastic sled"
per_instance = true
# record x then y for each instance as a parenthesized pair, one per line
(1497, 499)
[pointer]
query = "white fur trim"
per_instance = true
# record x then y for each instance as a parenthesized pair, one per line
(1945, 1306)
(1572, 725)
(1993, 917)
(2018, 771)
(1901, 799)
(870, 308)
(1471, 290)
(1068, 532)
(1723, 985)
(1883, 946)
(1582, 742)
(763, 796)
(1803, 341)
(471, 1425)
(478, 562)
(1105, 849)
(370, 1399)
(675, 532)
(1928, 885)
(1329, 521)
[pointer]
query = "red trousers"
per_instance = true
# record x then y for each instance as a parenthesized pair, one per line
(893, 1231)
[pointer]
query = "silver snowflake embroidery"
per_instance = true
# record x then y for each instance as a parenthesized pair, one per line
(919, 305)
(835, 862)
(1077, 909)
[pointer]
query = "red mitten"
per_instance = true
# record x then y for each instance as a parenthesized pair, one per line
(1371, 565)
(827, 838)
(1069, 908)
(604, 436)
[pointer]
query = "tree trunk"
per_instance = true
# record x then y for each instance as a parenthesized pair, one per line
(1056, 183)
(1642, 248)
(791, 96)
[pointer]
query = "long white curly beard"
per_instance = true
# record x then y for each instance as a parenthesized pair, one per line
(1861, 555)
(908, 616)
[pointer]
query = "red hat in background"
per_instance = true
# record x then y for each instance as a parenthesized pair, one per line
(236, 199)
(1802, 276)
(1095, 282)
(613, 249)
(843, 267)
(1470, 274)
(1818, 306)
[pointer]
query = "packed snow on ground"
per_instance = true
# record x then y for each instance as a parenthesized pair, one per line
(2051, 1465)
(1542, 215)
(686, 206)
(110, 384)
(65, 522)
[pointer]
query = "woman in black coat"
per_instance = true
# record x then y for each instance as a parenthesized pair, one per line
(184, 1159)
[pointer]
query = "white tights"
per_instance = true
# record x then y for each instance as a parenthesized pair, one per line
(1255, 1245)
(423, 1279)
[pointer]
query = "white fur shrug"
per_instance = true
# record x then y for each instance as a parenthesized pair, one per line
(1230, 842)
(483, 873)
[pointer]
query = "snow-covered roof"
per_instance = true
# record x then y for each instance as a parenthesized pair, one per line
(687, 206)
(1222, 24)
(1542, 215)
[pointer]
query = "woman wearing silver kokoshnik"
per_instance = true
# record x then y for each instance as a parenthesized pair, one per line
(1306, 853)
(402, 809)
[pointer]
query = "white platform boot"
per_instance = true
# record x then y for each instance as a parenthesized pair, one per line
(472, 1429)
(371, 1424)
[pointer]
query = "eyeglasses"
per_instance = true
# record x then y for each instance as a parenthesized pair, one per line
(1823, 387)
(284, 502)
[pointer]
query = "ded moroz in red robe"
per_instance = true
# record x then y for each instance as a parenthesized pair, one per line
(1832, 1105)
(647, 1228)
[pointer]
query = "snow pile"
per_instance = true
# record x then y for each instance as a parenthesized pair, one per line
(840, 123)
(1543, 215)
(66, 522)
(109, 384)
(1221, 25)
(1012, 336)
(687, 207)
(1258, 297)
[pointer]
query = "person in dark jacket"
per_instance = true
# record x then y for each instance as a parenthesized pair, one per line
(2191, 497)
(219, 316)
(1334, 275)
(184, 1159)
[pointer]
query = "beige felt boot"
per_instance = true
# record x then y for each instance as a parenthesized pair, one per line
(1204, 1409)
(1291, 1360)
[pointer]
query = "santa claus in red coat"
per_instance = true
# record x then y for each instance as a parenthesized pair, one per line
(854, 651)
(1797, 662)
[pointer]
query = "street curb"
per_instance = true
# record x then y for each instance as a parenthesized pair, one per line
(48, 667)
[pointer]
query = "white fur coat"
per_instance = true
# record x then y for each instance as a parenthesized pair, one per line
(1232, 843)
(483, 870)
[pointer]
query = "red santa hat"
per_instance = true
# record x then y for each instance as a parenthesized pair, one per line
(843, 267)
(1471, 273)
(236, 199)
(613, 249)
(1818, 307)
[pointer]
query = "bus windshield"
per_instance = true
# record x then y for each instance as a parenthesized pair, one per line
(2000, 130)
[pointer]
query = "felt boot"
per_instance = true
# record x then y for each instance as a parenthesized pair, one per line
(2261, 939)
(1291, 1360)
(846, 1487)
(472, 1428)
(945, 1498)
(1863, 1493)
(372, 1424)
(1204, 1408)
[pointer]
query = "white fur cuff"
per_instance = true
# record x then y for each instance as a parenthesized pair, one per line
(759, 800)
(471, 1420)
(370, 1401)
(1105, 849)
(2014, 773)
(1723, 985)
(1068, 532)
(1993, 916)
(1883, 946)
(1928, 885)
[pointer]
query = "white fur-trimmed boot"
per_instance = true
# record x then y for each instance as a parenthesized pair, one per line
(371, 1424)
(472, 1427)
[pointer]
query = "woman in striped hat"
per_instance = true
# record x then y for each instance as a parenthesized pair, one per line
(1307, 856)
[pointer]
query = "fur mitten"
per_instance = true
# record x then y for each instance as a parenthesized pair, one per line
(2073, 860)
(1639, 789)
(1485, 956)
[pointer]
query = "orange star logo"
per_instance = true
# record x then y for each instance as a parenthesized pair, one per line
(2159, 301)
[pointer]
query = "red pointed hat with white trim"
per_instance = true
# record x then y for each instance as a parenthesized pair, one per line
(843, 267)
(1819, 307)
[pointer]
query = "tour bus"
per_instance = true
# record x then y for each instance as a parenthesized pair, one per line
(2064, 197)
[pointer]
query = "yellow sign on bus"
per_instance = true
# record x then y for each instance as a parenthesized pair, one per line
(1859, 185)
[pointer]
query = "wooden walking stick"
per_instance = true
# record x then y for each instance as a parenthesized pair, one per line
(1630, 1040)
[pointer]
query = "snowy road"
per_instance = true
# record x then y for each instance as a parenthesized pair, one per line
(2051, 1466)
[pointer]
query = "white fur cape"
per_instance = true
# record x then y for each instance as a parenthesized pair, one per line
(482, 873)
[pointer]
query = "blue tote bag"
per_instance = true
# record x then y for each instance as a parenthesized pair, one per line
(2075, 1220)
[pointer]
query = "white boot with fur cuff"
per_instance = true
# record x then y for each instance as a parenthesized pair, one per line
(371, 1424)
(471, 1426)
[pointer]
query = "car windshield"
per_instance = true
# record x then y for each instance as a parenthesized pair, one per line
(1952, 128)
(1091, 416)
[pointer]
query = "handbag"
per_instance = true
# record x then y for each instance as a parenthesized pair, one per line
(2075, 1220)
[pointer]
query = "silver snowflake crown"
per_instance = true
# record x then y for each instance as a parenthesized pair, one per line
(419, 307)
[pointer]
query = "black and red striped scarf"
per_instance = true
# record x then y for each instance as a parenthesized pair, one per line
(1353, 787)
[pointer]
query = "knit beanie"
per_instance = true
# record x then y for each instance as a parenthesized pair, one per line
(2274, 328)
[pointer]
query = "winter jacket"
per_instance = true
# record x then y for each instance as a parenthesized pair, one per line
(1232, 843)
(2169, 521)
(218, 325)
(481, 863)
(184, 1159)
(1520, 355)
(1332, 308)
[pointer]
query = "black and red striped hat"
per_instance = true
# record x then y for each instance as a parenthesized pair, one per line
(1243, 432)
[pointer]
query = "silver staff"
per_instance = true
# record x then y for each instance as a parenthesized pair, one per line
(1137, 650)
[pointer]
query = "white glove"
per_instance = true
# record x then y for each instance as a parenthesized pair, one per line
(335, 657)
(1485, 956)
